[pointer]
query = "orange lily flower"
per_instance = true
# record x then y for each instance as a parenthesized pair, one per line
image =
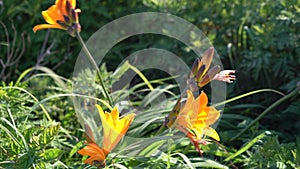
(61, 15)
(113, 131)
(195, 119)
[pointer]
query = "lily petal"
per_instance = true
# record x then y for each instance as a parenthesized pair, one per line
(113, 128)
(61, 6)
(213, 116)
(207, 58)
(52, 15)
(95, 153)
(47, 26)
(211, 133)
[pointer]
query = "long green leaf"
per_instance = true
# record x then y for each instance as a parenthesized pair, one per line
(246, 147)
(247, 94)
(141, 76)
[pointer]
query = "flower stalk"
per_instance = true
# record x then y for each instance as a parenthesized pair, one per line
(92, 60)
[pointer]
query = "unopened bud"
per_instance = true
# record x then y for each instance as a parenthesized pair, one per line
(200, 73)
(196, 65)
(207, 58)
(209, 76)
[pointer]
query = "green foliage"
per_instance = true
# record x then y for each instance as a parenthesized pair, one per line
(23, 143)
(27, 138)
(272, 154)
(257, 38)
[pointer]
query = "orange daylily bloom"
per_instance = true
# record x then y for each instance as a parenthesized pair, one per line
(61, 15)
(195, 119)
(114, 129)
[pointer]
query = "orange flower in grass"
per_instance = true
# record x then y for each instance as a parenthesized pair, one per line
(113, 131)
(195, 119)
(61, 15)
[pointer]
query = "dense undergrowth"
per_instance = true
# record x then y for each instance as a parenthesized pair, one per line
(259, 39)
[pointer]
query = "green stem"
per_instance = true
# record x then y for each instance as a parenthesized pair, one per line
(90, 57)
(278, 102)
(160, 130)
(169, 151)
(186, 149)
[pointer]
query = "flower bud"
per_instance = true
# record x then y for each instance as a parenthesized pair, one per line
(209, 76)
(207, 58)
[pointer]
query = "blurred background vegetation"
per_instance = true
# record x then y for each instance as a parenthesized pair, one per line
(258, 38)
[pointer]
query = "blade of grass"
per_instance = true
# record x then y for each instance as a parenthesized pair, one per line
(246, 147)
(11, 117)
(186, 159)
(278, 102)
(48, 71)
(141, 76)
(247, 94)
(149, 150)
(207, 163)
(10, 134)
(17, 132)
(70, 95)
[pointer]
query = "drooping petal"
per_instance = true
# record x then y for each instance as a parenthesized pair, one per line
(47, 26)
(95, 153)
(211, 133)
(91, 149)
